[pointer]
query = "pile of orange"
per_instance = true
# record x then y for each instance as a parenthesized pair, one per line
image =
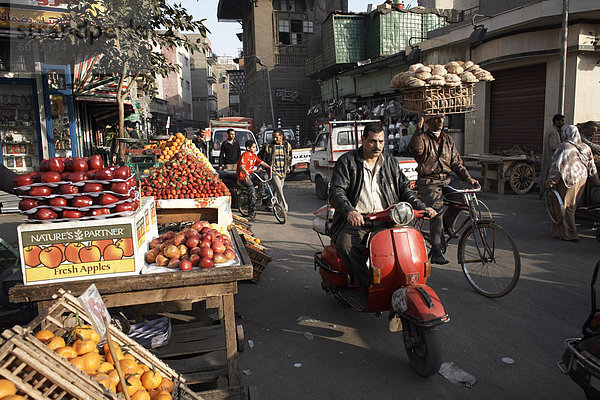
(143, 382)
(8, 391)
(168, 147)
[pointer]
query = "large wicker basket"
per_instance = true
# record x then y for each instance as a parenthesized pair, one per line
(430, 100)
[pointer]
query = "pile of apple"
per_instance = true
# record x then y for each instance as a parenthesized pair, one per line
(198, 245)
(184, 176)
(73, 188)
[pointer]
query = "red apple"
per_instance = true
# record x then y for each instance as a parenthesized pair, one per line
(44, 214)
(208, 236)
(154, 243)
(205, 243)
(44, 165)
(22, 180)
(192, 242)
(95, 162)
(218, 247)
(219, 258)
(183, 250)
(68, 189)
(100, 211)
(185, 265)
(122, 173)
(195, 260)
(169, 235)
(174, 263)
(58, 202)
(190, 233)
(205, 229)
(79, 164)
(107, 199)
(197, 226)
(119, 187)
(56, 164)
(50, 177)
(27, 204)
(81, 202)
(104, 174)
(195, 250)
(229, 254)
(90, 187)
(151, 256)
(124, 207)
(39, 191)
(206, 262)
(72, 214)
(75, 177)
(178, 239)
(206, 252)
(161, 260)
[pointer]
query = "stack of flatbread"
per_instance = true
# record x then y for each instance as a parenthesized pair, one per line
(452, 74)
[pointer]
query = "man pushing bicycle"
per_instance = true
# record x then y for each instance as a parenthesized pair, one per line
(437, 158)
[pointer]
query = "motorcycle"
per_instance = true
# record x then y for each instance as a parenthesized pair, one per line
(581, 359)
(399, 267)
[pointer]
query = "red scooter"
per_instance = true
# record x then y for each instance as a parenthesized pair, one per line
(399, 268)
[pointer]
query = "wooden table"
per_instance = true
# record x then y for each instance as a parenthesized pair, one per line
(518, 170)
(217, 286)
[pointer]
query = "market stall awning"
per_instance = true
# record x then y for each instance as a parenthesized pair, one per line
(89, 84)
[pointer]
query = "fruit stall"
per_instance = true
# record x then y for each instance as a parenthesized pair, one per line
(87, 223)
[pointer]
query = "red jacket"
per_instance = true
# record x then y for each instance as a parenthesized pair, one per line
(250, 161)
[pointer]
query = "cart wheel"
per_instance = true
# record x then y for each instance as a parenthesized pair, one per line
(241, 341)
(522, 178)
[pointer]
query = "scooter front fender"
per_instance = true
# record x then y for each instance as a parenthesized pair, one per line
(420, 304)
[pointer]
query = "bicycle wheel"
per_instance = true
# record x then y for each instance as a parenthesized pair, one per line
(489, 259)
(243, 203)
(279, 212)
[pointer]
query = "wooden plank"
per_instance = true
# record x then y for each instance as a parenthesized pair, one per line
(194, 378)
(206, 362)
(195, 331)
(21, 293)
(174, 215)
(190, 348)
(231, 340)
(192, 293)
(231, 393)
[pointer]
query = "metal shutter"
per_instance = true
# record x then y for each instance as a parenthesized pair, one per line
(517, 108)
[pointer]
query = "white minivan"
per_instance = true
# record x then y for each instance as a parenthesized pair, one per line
(219, 135)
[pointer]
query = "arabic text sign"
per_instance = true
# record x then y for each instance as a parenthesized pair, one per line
(24, 18)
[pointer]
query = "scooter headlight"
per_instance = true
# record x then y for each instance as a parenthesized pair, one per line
(402, 213)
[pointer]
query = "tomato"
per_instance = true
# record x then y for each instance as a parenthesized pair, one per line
(92, 187)
(50, 177)
(68, 189)
(45, 214)
(39, 191)
(45, 165)
(56, 164)
(81, 202)
(95, 162)
(22, 180)
(58, 202)
(72, 214)
(104, 174)
(27, 204)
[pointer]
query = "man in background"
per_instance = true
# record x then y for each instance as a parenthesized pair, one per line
(278, 154)
(230, 151)
(552, 139)
(588, 130)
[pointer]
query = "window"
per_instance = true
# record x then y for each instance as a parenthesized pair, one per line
(284, 25)
(187, 84)
(345, 138)
(296, 38)
(225, 86)
(308, 27)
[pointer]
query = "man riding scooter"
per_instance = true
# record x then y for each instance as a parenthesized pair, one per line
(365, 181)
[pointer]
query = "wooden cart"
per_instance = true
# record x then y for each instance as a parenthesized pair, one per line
(518, 170)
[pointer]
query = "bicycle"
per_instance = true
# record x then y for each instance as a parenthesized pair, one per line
(487, 254)
(243, 201)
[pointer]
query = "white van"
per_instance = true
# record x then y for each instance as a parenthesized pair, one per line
(219, 135)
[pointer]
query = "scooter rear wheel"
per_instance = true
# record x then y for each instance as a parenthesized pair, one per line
(243, 203)
(422, 347)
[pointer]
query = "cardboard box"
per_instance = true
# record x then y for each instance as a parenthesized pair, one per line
(212, 209)
(77, 250)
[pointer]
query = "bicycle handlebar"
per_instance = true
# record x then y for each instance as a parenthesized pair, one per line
(472, 190)
(264, 180)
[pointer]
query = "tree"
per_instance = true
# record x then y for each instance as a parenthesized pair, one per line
(129, 35)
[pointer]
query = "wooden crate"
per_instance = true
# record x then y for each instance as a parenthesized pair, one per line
(430, 100)
(66, 312)
(40, 374)
(260, 259)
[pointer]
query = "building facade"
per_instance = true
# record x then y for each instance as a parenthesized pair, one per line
(282, 34)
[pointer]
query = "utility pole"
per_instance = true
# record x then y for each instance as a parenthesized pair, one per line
(563, 58)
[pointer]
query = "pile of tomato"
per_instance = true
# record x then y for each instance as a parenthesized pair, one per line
(74, 188)
(184, 176)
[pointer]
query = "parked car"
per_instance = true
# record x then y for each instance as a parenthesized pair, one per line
(300, 156)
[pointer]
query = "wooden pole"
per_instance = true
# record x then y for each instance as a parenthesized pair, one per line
(113, 353)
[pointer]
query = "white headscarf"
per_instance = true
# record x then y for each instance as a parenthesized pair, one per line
(573, 159)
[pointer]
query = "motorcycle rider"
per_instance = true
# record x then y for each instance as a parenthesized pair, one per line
(365, 181)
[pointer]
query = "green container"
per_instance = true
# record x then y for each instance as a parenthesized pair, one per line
(343, 39)
(390, 33)
(314, 65)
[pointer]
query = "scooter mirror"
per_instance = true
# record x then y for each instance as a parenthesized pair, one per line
(402, 213)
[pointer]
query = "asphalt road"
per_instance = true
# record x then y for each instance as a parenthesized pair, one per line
(310, 346)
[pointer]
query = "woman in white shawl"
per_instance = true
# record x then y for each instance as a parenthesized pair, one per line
(572, 164)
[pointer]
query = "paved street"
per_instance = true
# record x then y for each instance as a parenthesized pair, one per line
(353, 355)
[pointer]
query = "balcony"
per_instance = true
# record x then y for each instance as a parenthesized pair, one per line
(291, 55)
(211, 78)
(211, 58)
